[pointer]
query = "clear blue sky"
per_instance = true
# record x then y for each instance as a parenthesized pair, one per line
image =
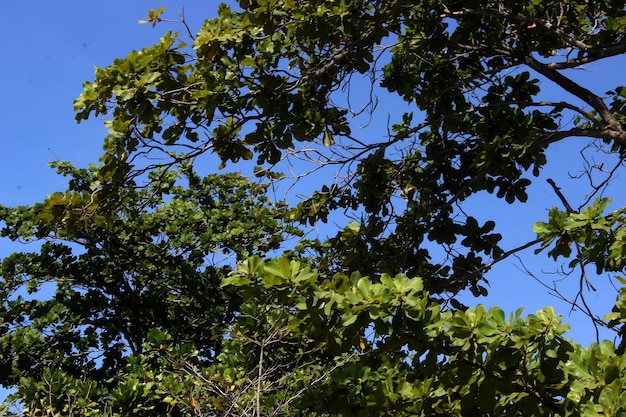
(50, 48)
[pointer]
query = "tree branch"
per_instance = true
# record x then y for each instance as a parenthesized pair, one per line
(611, 124)
(606, 134)
(558, 192)
(494, 261)
(593, 54)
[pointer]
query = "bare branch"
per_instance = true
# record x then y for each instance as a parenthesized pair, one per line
(558, 192)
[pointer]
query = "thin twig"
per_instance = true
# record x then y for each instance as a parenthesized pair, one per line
(557, 190)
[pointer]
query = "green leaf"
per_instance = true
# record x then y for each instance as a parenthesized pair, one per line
(365, 287)
(328, 138)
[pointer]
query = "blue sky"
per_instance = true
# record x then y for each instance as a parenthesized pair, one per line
(50, 48)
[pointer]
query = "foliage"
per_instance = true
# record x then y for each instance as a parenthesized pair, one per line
(347, 345)
(261, 82)
(601, 240)
(391, 350)
(156, 263)
(170, 296)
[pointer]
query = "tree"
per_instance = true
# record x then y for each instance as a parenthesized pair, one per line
(156, 264)
(366, 322)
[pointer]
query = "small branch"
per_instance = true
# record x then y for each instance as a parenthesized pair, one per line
(184, 21)
(556, 293)
(581, 293)
(258, 383)
(500, 258)
(605, 182)
(557, 190)
(593, 55)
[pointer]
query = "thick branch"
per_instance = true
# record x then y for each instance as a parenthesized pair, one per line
(582, 93)
(593, 54)
(607, 134)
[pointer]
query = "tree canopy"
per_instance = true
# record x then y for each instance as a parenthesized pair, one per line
(180, 289)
